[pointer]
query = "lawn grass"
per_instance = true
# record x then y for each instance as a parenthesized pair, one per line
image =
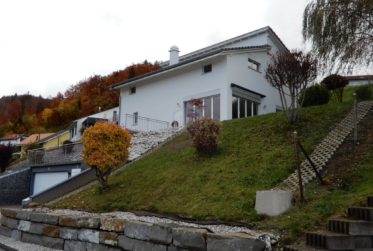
(254, 154)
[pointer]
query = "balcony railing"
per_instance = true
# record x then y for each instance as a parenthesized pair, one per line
(137, 123)
(55, 155)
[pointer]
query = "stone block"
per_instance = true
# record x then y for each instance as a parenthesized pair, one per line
(44, 218)
(174, 248)
(99, 247)
(108, 238)
(139, 245)
(233, 242)
(9, 222)
(16, 235)
(189, 238)
(273, 202)
(79, 222)
(68, 233)
(11, 213)
(24, 225)
(112, 224)
(75, 246)
(23, 214)
(5, 231)
(148, 231)
(45, 241)
(44, 229)
(89, 235)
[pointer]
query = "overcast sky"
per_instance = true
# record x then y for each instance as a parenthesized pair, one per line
(47, 46)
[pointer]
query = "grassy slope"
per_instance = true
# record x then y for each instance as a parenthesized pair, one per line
(254, 154)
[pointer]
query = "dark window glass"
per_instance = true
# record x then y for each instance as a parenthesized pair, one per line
(207, 68)
(135, 118)
(242, 108)
(248, 108)
(234, 107)
(255, 109)
(133, 90)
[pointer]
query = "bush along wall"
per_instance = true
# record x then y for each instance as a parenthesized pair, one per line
(80, 232)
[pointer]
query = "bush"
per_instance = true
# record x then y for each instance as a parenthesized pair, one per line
(335, 83)
(315, 95)
(204, 133)
(105, 148)
(364, 92)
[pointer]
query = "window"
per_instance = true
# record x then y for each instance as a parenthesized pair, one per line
(132, 90)
(202, 107)
(135, 118)
(243, 107)
(207, 68)
(252, 64)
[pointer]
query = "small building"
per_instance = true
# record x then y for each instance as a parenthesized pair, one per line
(77, 126)
(12, 139)
(222, 81)
(32, 139)
(55, 140)
(359, 80)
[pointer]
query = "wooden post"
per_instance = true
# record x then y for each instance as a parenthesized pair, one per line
(355, 118)
(295, 138)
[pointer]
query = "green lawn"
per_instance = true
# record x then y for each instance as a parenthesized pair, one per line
(254, 154)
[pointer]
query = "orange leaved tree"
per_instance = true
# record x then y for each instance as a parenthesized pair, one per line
(105, 148)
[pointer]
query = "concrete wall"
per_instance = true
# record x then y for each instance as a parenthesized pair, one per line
(75, 233)
(14, 187)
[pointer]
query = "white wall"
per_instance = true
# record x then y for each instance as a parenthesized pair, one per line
(164, 98)
(107, 114)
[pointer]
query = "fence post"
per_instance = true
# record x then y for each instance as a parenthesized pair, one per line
(300, 182)
(355, 118)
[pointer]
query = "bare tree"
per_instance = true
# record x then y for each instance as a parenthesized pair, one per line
(290, 72)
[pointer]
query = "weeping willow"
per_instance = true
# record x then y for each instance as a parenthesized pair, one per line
(340, 32)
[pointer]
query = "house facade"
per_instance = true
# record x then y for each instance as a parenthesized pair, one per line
(359, 80)
(223, 81)
(76, 127)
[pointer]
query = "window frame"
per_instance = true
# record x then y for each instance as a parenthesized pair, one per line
(207, 68)
(253, 65)
(132, 90)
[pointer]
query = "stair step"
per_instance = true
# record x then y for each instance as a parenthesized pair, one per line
(330, 241)
(301, 248)
(361, 213)
(370, 201)
(351, 227)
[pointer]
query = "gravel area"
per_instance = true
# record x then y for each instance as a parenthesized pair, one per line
(21, 246)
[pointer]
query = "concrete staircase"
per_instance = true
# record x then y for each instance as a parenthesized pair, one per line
(353, 233)
(325, 150)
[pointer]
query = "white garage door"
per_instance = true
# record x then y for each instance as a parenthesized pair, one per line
(43, 181)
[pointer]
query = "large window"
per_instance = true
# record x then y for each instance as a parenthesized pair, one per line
(202, 107)
(242, 107)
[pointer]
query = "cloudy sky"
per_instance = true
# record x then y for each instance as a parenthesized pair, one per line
(46, 46)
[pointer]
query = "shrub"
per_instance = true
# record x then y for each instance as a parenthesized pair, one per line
(204, 133)
(105, 148)
(364, 92)
(5, 156)
(315, 95)
(335, 83)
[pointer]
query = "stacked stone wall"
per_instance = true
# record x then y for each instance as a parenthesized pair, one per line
(75, 233)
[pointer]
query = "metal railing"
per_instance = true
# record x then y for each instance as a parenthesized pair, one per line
(138, 123)
(60, 154)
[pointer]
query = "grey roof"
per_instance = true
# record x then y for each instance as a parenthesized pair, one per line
(190, 60)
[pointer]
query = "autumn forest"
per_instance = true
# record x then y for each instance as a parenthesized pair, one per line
(31, 114)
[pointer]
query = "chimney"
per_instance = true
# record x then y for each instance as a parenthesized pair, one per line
(174, 55)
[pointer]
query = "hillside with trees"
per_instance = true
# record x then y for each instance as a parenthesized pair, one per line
(29, 114)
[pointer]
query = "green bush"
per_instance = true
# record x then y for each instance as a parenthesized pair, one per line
(315, 95)
(364, 92)
(204, 133)
(335, 83)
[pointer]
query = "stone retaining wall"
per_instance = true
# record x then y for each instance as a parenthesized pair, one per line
(74, 233)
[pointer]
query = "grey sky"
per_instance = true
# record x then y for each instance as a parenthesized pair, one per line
(46, 46)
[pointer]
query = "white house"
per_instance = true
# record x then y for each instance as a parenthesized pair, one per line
(77, 126)
(359, 80)
(228, 78)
